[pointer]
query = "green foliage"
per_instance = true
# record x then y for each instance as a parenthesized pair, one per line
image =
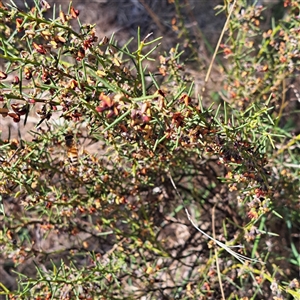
(88, 207)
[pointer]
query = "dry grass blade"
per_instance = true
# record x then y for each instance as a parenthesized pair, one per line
(218, 46)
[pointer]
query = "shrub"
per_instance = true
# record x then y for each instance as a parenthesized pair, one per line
(106, 199)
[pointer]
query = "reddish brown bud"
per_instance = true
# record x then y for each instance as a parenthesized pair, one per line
(80, 54)
(20, 109)
(110, 114)
(160, 92)
(19, 22)
(73, 84)
(3, 75)
(146, 119)
(74, 12)
(177, 119)
(100, 109)
(39, 48)
(16, 80)
(58, 41)
(106, 100)
(16, 117)
(46, 77)
(27, 73)
(186, 99)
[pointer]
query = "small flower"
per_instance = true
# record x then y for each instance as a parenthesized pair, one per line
(107, 104)
(73, 84)
(39, 48)
(27, 73)
(252, 214)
